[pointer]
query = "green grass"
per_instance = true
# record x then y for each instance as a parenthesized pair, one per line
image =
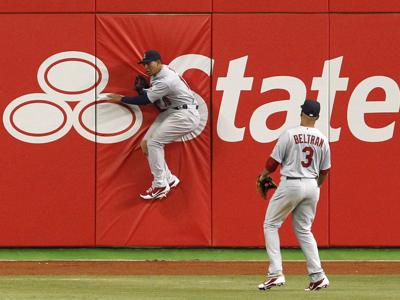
(192, 287)
(189, 254)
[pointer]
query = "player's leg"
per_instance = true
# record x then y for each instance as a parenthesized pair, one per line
(171, 179)
(174, 126)
(303, 217)
(160, 190)
(280, 206)
(143, 146)
(153, 128)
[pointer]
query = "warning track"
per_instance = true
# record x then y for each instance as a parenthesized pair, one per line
(188, 267)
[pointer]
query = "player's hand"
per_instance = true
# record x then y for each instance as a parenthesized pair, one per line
(114, 97)
(264, 184)
(264, 174)
(141, 83)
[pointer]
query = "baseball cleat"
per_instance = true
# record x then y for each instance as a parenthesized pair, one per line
(272, 282)
(316, 286)
(174, 182)
(155, 193)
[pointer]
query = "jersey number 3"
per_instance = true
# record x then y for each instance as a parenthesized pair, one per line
(309, 156)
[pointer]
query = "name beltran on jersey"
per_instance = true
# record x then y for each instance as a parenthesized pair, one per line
(302, 138)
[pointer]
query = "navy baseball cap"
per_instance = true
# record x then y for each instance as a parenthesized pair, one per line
(150, 56)
(311, 108)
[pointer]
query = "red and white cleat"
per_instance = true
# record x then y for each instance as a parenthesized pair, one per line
(316, 286)
(272, 282)
(174, 182)
(155, 193)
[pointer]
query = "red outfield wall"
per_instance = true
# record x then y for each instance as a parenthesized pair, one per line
(72, 167)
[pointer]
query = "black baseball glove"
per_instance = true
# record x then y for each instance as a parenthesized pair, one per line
(264, 184)
(141, 83)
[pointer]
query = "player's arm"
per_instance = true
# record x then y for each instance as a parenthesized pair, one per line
(264, 182)
(270, 167)
(325, 165)
(277, 155)
(323, 174)
(135, 100)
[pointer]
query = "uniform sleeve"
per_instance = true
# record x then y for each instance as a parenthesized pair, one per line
(157, 91)
(136, 100)
(271, 165)
(326, 159)
(280, 148)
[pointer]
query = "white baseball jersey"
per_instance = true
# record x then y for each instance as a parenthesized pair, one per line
(303, 152)
(170, 88)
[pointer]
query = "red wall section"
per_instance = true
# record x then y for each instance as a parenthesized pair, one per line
(371, 212)
(275, 45)
(47, 6)
(123, 218)
(364, 6)
(153, 6)
(47, 189)
(72, 168)
(245, 6)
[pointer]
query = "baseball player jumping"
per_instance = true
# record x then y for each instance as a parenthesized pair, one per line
(304, 155)
(179, 116)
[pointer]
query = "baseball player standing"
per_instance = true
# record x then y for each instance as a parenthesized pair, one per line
(179, 116)
(304, 155)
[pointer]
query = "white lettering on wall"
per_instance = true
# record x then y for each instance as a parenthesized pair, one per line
(359, 106)
(327, 85)
(232, 85)
(258, 123)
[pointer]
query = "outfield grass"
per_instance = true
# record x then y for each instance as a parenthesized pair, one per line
(192, 287)
(190, 254)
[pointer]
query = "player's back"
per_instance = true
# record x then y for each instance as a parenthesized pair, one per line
(305, 153)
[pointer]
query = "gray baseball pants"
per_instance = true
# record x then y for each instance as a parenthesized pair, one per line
(299, 197)
(169, 126)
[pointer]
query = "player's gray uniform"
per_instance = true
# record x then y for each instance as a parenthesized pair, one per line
(170, 92)
(302, 153)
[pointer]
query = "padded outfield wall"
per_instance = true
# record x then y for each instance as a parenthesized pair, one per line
(72, 167)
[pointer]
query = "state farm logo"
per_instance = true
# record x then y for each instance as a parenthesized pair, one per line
(70, 77)
(72, 83)
(328, 84)
(79, 77)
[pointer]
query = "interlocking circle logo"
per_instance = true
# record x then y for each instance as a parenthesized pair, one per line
(37, 118)
(115, 122)
(71, 76)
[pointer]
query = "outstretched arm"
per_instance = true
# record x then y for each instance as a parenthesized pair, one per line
(135, 100)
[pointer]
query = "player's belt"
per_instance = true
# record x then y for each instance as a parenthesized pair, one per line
(186, 106)
(294, 178)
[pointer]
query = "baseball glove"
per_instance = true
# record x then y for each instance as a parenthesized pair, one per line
(141, 83)
(264, 184)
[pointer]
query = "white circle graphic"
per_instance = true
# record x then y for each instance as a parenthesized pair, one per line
(203, 111)
(73, 76)
(37, 118)
(106, 122)
(83, 79)
(29, 117)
